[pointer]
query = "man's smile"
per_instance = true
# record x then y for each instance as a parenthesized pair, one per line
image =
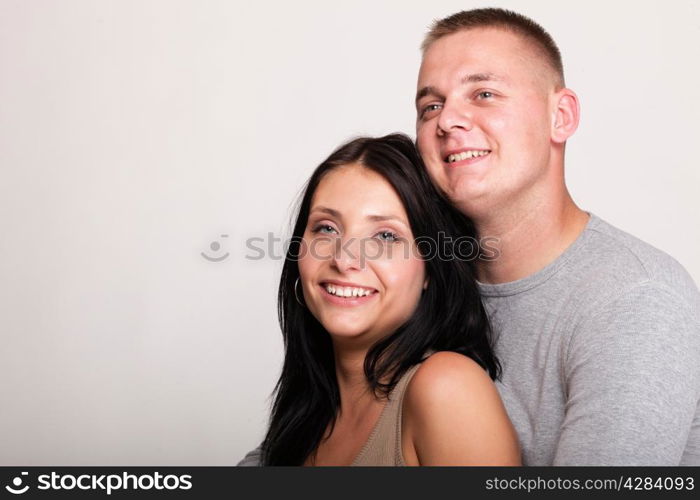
(466, 155)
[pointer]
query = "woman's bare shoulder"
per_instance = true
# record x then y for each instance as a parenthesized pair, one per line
(453, 414)
(447, 374)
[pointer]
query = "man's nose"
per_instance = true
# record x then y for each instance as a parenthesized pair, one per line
(454, 116)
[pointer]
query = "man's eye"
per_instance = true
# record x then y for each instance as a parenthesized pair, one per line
(429, 109)
(484, 95)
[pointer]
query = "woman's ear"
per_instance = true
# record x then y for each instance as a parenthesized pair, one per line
(566, 115)
(425, 283)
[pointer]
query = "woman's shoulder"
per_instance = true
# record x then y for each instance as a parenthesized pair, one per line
(453, 414)
(445, 372)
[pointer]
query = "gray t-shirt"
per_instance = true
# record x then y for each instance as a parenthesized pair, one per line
(601, 355)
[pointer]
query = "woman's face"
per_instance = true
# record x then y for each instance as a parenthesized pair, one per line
(361, 273)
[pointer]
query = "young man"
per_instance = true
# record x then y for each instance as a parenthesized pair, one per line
(598, 333)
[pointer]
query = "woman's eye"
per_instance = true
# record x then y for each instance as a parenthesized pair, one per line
(387, 236)
(324, 229)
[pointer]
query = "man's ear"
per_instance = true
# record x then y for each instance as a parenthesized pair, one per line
(566, 115)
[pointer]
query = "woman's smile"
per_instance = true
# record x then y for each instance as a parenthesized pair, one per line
(348, 295)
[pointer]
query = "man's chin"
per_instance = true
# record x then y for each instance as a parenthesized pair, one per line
(469, 191)
(475, 203)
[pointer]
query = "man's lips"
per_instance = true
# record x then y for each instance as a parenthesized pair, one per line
(464, 155)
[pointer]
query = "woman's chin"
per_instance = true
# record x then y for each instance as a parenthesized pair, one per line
(352, 337)
(345, 333)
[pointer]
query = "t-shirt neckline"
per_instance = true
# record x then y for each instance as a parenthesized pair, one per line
(539, 277)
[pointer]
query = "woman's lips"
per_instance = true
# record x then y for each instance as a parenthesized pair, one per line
(346, 301)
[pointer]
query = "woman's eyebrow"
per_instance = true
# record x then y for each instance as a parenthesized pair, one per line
(380, 218)
(373, 218)
(326, 210)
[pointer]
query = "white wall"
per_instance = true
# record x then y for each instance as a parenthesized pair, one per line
(134, 133)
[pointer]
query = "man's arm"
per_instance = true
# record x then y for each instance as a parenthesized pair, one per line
(252, 459)
(632, 376)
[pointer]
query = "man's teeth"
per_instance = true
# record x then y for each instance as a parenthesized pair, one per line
(467, 154)
(347, 291)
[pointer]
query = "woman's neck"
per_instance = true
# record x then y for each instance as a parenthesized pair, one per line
(355, 392)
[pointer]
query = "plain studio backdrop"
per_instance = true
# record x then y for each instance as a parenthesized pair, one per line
(134, 135)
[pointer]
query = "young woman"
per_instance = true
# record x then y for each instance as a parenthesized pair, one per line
(387, 352)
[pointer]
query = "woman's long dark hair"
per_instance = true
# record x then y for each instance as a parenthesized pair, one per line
(448, 317)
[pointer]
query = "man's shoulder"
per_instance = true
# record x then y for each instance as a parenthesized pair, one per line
(635, 301)
(617, 260)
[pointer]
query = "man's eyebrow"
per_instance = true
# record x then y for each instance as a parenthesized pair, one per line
(428, 90)
(473, 78)
(482, 77)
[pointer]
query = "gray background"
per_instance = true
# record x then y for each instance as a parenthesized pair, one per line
(133, 134)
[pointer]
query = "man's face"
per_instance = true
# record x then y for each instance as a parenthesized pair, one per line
(484, 118)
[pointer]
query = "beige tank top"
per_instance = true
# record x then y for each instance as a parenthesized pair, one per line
(383, 447)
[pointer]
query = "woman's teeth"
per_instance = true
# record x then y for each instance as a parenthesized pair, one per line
(347, 291)
(467, 154)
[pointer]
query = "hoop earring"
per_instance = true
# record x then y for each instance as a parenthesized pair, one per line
(296, 295)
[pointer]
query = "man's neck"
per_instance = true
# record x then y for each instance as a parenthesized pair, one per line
(529, 239)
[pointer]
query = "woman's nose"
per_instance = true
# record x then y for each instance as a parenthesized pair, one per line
(346, 254)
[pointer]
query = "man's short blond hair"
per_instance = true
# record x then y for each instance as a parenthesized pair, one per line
(507, 20)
